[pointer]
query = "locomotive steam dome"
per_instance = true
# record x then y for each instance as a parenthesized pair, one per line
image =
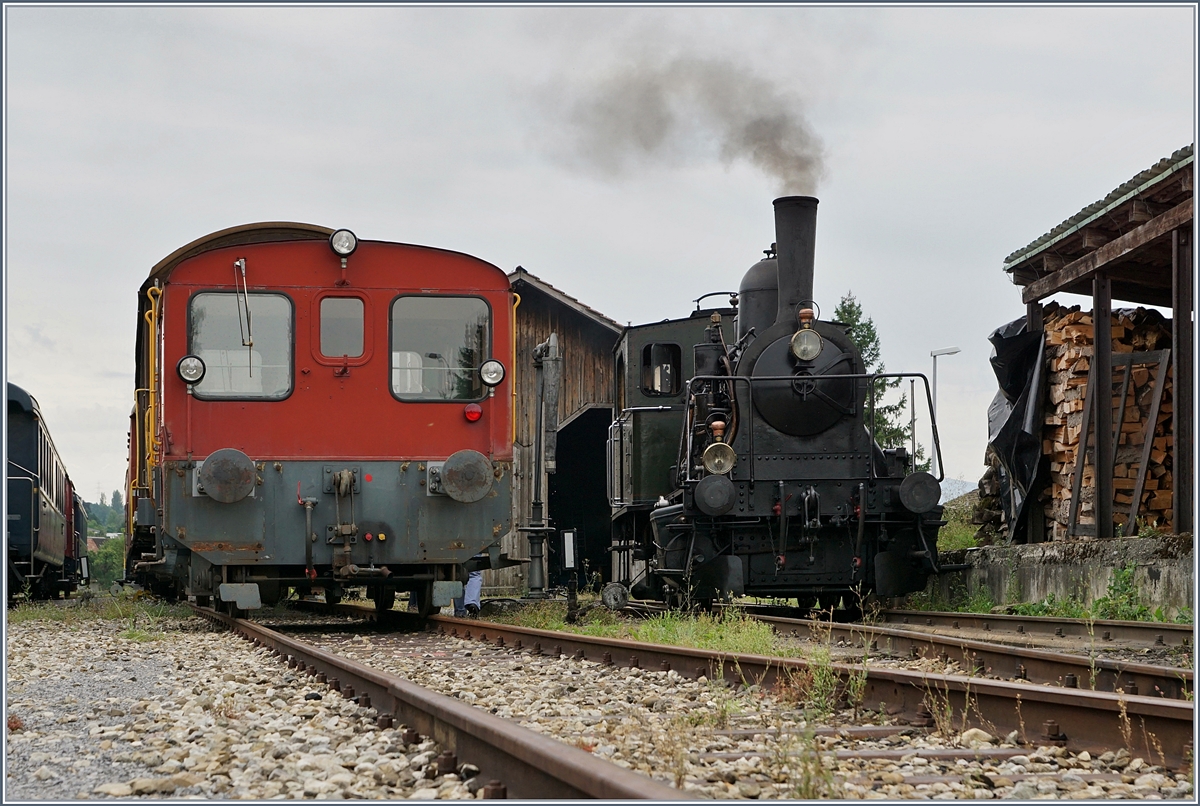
(758, 297)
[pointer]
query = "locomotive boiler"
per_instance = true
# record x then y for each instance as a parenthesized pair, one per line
(778, 487)
(315, 412)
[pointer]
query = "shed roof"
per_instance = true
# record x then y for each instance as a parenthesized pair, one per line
(1125, 233)
(521, 276)
(1139, 185)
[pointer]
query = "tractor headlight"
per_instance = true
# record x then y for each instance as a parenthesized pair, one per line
(343, 242)
(719, 458)
(492, 372)
(806, 344)
(190, 369)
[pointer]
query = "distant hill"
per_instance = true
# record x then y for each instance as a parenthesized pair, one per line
(955, 488)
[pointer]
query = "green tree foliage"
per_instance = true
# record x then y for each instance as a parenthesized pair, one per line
(892, 429)
(103, 518)
(116, 500)
(108, 562)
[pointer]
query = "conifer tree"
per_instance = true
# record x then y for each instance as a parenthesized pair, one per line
(892, 428)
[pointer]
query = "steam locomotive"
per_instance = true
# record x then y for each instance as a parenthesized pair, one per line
(47, 524)
(748, 464)
(313, 413)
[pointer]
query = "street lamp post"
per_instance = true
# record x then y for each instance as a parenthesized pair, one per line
(935, 354)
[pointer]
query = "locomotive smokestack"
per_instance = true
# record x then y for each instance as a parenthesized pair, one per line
(796, 242)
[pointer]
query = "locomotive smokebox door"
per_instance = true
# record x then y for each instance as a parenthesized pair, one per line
(227, 476)
(466, 476)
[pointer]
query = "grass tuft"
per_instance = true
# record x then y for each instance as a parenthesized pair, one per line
(134, 609)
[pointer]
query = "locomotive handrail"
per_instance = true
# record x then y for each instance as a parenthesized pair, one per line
(151, 417)
(870, 377)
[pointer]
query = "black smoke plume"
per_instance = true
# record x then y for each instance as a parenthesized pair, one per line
(648, 112)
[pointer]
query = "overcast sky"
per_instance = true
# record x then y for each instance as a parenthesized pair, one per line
(629, 156)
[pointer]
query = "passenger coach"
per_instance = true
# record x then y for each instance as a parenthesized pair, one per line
(317, 412)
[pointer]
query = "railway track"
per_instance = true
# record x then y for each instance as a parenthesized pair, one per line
(519, 762)
(1078, 719)
(1042, 704)
(1099, 630)
(1035, 665)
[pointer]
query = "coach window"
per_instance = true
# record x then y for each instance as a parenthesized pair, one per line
(661, 367)
(438, 344)
(342, 327)
(245, 341)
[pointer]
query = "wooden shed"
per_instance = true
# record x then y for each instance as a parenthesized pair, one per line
(576, 492)
(1134, 246)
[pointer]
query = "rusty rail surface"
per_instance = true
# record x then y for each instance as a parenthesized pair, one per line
(1080, 719)
(984, 657)
(1142, 632)
(528, 764)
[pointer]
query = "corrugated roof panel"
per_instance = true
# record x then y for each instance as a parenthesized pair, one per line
(1134, 187)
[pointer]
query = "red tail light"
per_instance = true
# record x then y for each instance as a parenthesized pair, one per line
(472, 411)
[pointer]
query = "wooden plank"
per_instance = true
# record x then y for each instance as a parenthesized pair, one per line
(1102, 378)
(1122, 247)
(1080, 461)
(1156, 400)
(1183, 353)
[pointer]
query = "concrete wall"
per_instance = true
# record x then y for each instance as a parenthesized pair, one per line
(1165, 572)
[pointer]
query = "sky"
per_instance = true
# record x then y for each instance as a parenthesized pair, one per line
(628, 156)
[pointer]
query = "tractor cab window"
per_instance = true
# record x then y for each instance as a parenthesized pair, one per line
(245, 342)
(661, 369)
(437, 347)
(342, 327)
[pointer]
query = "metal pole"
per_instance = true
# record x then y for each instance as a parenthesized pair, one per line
(912, 418)
(935, 354)
(934, 457)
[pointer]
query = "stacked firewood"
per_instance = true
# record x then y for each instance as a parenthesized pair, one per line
(1069, 337)
(988, 514)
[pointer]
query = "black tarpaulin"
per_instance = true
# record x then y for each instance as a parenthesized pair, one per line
(1014, 417)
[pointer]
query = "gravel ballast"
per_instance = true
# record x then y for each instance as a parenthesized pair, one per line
(191, 713)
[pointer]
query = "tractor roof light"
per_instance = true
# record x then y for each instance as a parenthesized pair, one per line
(491, 373)
(343, 242)
(191, 369)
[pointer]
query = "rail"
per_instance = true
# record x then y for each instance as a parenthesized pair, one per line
(1080, 719)
(528, 764)
(1034, 665)
(1147, 632)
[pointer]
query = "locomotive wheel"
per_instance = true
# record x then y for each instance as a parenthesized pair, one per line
(425, 606)
(385, 598)
(203, 601)
(333, 595)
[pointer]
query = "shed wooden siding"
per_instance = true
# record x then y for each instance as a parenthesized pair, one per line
(586, 347)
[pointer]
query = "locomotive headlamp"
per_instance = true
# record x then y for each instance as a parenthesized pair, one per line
(190, 369)
(492, 372)
(719, 458)
(343, 242)
(806, 344)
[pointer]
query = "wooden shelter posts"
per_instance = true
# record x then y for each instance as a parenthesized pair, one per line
(1135, 245)
(586, 338)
